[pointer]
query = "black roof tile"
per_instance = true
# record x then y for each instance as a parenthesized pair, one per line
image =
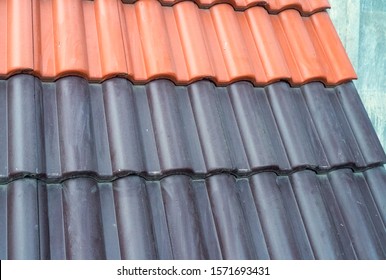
(302, 215)
(72, 128)
(158, 171)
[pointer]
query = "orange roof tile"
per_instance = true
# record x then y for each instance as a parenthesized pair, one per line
(305, 7)
(145, 40)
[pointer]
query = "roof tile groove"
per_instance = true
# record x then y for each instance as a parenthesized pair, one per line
(338, 215)
(145, 41)
(115, 129)
(306, 7)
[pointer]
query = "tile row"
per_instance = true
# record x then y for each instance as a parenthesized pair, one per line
(338, 215)
(73, 128)
(305, 7)
(145, 41)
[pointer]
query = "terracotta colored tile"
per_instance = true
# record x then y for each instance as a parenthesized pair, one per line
(184, 43)
(308, 64)
(93, 54)
(192, 40)
(111, 47)
(46, 46)
(280, 5)
(231, 42)
(319, 5)
(334, 51)
(177, 51)
(271, 55)
(217, 59)
(36, 34)
(69, 38)
(155, 40)
(125, 38)
(254, 55)
(3, 37)
(305, 7)
(19, 36)
(134, 47)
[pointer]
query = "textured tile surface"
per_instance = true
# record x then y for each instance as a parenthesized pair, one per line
(102, 39)
(339, 215)
(71, 127)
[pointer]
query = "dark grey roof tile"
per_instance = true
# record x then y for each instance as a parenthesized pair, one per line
(204, 102)
(360, 124)
(122, 127)
(160, 226)
(208, 231)
(109, 213)
(51, 131)
(362, 225)
(297, 130)
(169, 132)
(262, 143)
(56, 222)
(252, 220)
(279, 222)
(24, 118)
(133, 218)
(22, 220)
(3, 222)
(114, 129)
(300, 216)
(4, 129)
(99, 123)
(228, 216)
(332, 126)
(181, 216)
(376, 180)
(82, 223)
(76, 135)
(318, 215)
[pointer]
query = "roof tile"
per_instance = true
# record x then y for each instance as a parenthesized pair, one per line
(304, 6)
(146, 41)
(337, 215)
(114, 129)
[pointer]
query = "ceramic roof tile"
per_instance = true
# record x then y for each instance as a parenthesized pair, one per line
(304, 6)
(337, 215)
(137, 167)
(145, 41)
(116, 128)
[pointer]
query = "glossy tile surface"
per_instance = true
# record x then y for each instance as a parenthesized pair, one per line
(183, 130)
(273, 6)
(71, 127)
(339, 215)
(184, 43)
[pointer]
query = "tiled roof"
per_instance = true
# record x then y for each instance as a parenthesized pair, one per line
(305, 7)
(143, 41)
(238, 164)
(339, 215)
(115, 129)
(218, 140)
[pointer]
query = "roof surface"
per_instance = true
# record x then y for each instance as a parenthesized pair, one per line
(338, 215)
(115, 129)
(273, 6)
(183, 130)
(102, 39)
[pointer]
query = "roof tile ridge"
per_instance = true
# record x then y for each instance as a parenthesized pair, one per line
(194, 176)
(304, 7)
